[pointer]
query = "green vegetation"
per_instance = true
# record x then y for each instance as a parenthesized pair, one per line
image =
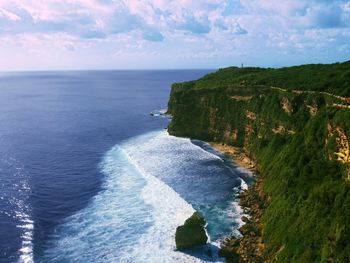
(334, 78)
(293, 136)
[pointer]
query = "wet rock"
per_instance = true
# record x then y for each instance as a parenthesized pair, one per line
(250, 247)
(249, 229)
(192, 233)
(245, 219)
(228, 250)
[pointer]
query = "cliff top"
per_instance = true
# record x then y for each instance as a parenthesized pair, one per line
(332, 78)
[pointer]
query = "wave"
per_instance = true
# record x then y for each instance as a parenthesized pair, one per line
(152, 184)
(197, 173)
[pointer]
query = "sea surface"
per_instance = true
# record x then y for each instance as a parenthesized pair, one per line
(88, 175)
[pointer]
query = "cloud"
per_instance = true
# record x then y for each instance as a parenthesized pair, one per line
(193, 25)
(99, 18)
(225, 30)
(230, 25)
(326, 17)
(9, 15)
(122, 21)
(153, 35)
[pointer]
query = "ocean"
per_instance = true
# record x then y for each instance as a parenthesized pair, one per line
(88, 175)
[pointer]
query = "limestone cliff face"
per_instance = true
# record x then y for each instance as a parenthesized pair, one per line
(342, 152)
(246, 121)
(300, 141)
(211, 115)
(342, 140)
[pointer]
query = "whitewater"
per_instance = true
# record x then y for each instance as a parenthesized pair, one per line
(152, 184)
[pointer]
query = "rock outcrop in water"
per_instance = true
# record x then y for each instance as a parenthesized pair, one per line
(192, 233)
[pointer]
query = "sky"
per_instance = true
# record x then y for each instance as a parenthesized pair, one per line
(160, 34)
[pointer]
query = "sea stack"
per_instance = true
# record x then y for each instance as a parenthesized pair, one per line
(192, 233)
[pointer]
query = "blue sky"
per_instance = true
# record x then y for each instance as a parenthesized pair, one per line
(116, 34)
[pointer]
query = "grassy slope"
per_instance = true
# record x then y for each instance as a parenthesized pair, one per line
(334, 78)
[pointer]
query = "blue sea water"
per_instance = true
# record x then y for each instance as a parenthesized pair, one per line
(88, 175)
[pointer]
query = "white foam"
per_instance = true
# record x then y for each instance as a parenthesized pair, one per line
(105, 228)
(186, 167)
(158, 244)
(160, 113)
(244, 185)
(154, 154)
(134, 217)
(236, 212)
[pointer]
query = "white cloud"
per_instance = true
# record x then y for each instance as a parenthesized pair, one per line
(7, 14)
(219, 31)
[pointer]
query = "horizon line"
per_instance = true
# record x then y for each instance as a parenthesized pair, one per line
(116, 69)
(164, 69)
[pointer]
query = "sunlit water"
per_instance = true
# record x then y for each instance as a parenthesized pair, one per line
(87, 175)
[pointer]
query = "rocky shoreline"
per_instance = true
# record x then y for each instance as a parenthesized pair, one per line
(249, 247)
(237, 154)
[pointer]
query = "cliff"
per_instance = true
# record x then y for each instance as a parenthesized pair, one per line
(294, 123)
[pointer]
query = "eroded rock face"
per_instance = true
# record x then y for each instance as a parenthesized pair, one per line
(286, 106)
(192, 233)
(343, 154)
